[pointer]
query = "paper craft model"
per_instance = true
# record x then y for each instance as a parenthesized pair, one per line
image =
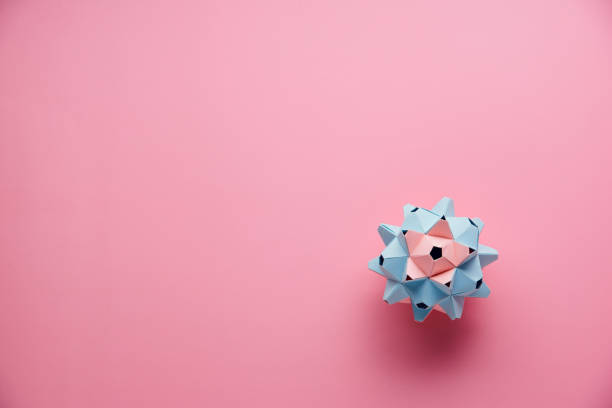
(434, 260)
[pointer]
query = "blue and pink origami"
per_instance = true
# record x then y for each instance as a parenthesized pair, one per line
(434, 260)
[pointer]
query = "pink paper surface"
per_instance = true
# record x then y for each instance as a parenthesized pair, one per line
(190, 192)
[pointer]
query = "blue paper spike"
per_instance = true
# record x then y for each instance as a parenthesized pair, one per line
(486, 254)
(462, 283)
(427, 293)
(458, 302)
(388, 232)
(408, 208)
(445, 207)
(482, 292)
(394, 292)
(447, 305)
(479, 223)
(458, 225)
(395, 249)
(414, 286)
(373, 265)
(412, 223)
(464, 232)
(394, 268)
(427, 219)
(472, 268)
(419, 313)
(453, 306)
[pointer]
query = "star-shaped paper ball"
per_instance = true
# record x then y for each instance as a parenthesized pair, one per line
(434, 260)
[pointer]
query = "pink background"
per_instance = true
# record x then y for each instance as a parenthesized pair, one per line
(190, 193)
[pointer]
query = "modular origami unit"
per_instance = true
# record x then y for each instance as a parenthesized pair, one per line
(434, 260)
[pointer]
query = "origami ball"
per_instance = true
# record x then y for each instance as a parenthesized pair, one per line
(434, 260)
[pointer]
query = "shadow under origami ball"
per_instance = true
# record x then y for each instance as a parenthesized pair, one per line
(430, 347)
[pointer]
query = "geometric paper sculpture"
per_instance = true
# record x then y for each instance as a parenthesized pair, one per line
(433, 260)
